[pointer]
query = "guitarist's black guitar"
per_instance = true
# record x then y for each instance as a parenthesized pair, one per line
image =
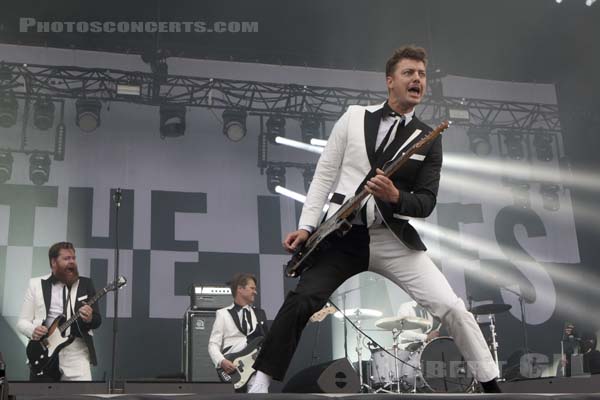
(43, 354)
(243, 361)
(340, 222)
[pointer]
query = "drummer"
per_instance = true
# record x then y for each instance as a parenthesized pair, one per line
(411, 339)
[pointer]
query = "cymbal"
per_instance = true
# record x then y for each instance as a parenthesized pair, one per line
(486, 309)
(359, 313)
(401, 323)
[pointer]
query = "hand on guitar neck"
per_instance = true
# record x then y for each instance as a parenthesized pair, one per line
(383, 188)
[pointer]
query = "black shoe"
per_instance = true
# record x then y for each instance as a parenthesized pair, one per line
(491, 386)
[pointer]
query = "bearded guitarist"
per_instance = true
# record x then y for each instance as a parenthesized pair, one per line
(235, 327)
(62, 293)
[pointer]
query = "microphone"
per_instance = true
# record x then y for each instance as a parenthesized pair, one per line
(117, 197)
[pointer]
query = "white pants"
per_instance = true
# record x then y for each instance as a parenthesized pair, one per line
(74, 362)
(418, 276)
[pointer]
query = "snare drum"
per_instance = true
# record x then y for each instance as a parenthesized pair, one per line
(383, 369)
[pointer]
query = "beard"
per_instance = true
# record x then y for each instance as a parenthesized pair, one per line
(68, 275)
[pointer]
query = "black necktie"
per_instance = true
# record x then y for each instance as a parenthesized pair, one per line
(247, 321)
(65, 300)
(386, 139)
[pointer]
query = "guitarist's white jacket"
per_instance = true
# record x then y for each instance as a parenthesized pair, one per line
(226, 335)
(348, 158)
(36, 306)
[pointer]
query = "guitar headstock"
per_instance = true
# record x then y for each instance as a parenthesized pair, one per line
(322, 313)
(116, 284)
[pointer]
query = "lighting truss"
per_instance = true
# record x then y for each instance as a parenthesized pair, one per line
(260, 98)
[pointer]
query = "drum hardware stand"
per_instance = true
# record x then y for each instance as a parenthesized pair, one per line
(396, 344)
(359, 338)
(494, 342)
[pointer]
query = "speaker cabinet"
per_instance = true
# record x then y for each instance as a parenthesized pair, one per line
(335, 376)
(198, 365)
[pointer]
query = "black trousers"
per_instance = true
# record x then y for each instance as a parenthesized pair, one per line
(348, 256)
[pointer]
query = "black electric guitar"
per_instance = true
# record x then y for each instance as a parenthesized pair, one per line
(340, 222)
(243, 361)
(43, 354)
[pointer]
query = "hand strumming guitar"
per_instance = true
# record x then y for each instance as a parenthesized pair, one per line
(295, 239)
(227, 366)
(39, 332)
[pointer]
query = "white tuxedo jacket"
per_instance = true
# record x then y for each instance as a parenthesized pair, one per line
(349, 156)
(226, 334)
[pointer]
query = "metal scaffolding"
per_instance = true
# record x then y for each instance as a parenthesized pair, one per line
(261, 98)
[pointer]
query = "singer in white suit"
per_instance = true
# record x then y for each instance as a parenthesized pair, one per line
(381, 240)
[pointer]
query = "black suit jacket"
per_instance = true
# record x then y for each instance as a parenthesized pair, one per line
(417, 181)
(81, 329)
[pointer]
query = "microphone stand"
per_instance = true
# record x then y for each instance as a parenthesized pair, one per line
(523, 323)
(117, 200)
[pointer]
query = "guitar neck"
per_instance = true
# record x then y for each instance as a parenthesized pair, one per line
(65, 325)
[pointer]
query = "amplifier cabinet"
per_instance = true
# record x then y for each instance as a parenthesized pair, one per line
(197, 364)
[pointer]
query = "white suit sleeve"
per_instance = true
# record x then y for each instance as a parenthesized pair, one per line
(326, 173)
(26, 323)
(216, 340)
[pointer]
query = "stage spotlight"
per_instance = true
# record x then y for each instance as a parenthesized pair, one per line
(172, 120)
(318, 142)
(310, 128)
(234, 124)
(39, 168)
(6, 162)
(88, 114)
(43, 114)
(550, 196)
(479, 141)
(8, 109)
(542, 141)
(275, 127)
(520, 192)
(514, 145)
(589, 2)
(59, 142)
(275, 177)
(435, 84)
(308, 174)
(299, 145)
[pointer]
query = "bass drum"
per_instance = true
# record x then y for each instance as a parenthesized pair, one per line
(443, 368)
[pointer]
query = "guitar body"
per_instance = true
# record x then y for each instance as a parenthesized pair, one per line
(243, 361)
(320, 239)
(42, 354)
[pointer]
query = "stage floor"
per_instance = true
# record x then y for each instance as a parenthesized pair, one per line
(579, 388)
(291, 396)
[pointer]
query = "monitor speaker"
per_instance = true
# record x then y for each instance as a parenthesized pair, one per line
(335, 376)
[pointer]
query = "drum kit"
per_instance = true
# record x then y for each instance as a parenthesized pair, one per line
(435, 366)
